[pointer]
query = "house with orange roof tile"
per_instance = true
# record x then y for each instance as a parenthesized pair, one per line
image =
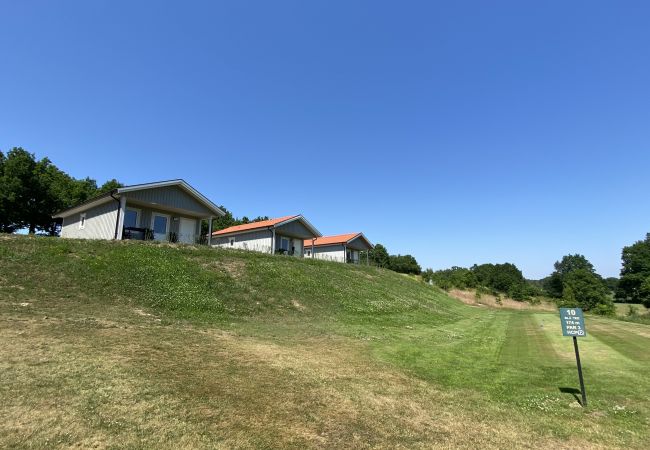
(340, 248)
(283, 235)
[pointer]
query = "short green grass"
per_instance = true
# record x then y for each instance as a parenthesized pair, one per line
(142, 345)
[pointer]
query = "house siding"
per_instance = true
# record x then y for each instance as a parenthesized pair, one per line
(358, 244)
(258, 240)
(296, 229)
(169, 196)
(329, 252)
(100, 223)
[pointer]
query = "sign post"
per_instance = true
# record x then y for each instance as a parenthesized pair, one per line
(573, 324)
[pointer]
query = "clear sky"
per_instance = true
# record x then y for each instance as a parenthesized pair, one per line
(460, 132)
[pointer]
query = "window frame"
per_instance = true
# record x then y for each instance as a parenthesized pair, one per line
(153, 221)
(138, 214)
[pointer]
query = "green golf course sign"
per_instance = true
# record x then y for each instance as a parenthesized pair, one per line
(573, 322)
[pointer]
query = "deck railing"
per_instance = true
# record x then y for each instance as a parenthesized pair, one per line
(147, 234)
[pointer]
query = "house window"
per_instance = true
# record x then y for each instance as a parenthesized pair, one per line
(131, 218)
(284, 244)
(232, 241)
(82, 221)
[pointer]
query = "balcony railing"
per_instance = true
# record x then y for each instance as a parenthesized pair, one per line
(147, 234)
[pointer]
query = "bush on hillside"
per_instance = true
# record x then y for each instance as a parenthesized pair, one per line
(498, 279)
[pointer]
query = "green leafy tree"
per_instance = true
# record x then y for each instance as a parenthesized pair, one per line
(26, 196)
(611, 283)
(225, 221)
(404, 264)
(31, 191)
(505, 278)
(644, 292)
(555, 283)
(379, 256)
(455, 277)
(586, 289)
(635, 272)
(6, 225)
(109, 186)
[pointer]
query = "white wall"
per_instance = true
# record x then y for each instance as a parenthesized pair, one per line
(328, 253)
(100, 223)
(259, 241)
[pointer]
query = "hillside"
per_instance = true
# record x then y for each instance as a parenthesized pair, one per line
(134, 344)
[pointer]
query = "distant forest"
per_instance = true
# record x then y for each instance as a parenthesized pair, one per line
(574, 281)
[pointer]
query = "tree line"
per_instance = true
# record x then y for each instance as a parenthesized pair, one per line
(497, 279)
(573, 282)
(32, 190)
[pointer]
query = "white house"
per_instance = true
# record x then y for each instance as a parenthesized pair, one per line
(165, 210)
(340, 248)
(282, 235)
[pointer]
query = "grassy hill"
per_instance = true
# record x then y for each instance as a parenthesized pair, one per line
(131, 344)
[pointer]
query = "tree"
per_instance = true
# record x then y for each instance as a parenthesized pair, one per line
(404, 264)
(379, 256)
(109, 186)
(6, 225)
(26, 196)
(505, 278)
(583, 288)
(644, 292)
(635, 272)
(32, 191)
(611, 283)
(456, 277)
(225, 221)
(569, 263)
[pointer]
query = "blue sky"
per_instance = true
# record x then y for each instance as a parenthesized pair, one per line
(459, 132)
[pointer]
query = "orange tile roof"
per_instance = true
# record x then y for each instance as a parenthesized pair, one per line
(331, 240)
(253, 225)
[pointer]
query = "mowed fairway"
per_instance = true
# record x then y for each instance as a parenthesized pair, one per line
(358, 358)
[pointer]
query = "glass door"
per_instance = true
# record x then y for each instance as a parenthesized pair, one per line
(160, 226)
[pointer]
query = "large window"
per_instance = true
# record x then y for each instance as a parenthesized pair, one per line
(131, 218)
(160, 224)
(284, 243)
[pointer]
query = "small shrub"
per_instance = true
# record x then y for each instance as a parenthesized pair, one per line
(632, 311)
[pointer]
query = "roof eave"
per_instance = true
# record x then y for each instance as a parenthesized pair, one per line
(305, 222)
(177, 182)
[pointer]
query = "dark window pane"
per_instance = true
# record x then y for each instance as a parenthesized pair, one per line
(160, 224)
(131, 218)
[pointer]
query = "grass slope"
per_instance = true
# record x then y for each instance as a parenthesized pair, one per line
(129, 344)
